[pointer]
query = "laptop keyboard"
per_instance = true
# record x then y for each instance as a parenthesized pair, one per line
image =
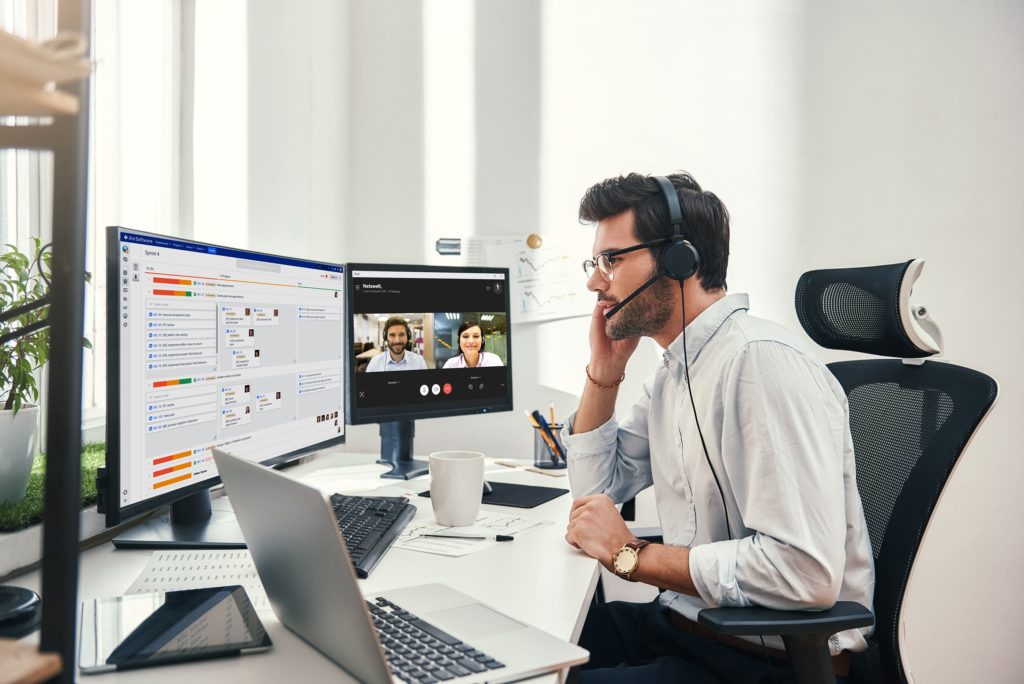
(370, 525)
(419, 652)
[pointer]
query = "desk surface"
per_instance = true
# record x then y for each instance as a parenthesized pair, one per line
(538, 579)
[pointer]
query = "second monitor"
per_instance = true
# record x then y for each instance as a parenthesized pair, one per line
(425, 342)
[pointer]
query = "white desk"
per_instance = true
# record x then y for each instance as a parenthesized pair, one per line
(537, 579)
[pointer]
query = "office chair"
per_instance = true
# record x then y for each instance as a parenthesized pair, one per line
(911, 420)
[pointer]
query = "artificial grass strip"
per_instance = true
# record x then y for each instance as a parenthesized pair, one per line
(29, 510)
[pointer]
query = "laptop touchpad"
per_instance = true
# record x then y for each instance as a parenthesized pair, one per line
(475, 619)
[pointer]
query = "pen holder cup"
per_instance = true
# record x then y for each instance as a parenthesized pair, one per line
(543, 455)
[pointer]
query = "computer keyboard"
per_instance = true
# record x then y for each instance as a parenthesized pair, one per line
(417, 651)
(370, 524)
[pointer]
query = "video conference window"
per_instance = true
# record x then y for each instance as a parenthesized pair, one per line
(430, 338)
(421, 341)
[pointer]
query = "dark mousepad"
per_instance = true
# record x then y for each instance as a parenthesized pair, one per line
(517, 495)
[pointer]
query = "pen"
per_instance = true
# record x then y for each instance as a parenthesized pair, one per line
(551, 412)
(488, 537)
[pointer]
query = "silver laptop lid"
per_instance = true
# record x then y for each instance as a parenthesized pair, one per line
(311, 585)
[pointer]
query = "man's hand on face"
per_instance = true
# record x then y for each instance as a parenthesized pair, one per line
(596, 528)
(608, 357)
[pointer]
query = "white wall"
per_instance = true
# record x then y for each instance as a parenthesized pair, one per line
(913, 147)
(835, 133)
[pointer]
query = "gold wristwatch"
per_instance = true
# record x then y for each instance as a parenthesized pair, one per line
(627, 559)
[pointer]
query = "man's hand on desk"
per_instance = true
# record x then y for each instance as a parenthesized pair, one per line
(596, 528)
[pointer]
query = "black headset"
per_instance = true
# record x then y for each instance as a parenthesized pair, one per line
(678, 258)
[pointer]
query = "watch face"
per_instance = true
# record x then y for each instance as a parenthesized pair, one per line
(625, 560)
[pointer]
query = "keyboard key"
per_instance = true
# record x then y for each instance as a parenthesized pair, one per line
(472, 665)
(435, 632)
(458, 670)
(492, 664)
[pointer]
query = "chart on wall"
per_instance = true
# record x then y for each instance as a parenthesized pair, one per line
(548, 282)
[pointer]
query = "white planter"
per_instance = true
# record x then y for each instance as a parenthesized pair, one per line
(21, 549)
(17, 451)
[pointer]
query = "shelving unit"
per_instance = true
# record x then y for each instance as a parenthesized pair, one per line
(67, 139)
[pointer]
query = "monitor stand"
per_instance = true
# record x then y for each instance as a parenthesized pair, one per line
(396, 450)
(193, 523)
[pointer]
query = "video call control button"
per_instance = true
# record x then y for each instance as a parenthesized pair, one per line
(447, 389)
(424, 389)
(436, 389)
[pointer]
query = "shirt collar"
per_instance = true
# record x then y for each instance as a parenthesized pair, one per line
(392, 362)
(703, 327)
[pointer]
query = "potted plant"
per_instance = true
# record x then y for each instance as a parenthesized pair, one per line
(24, 279)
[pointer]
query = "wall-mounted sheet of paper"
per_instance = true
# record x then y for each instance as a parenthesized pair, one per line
(547, 281)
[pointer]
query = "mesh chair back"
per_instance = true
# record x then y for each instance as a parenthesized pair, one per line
(909, 423)
(909, 426)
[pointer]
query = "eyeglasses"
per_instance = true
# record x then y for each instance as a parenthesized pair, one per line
(605, 261)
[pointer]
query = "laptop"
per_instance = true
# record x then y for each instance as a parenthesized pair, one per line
(423, 633)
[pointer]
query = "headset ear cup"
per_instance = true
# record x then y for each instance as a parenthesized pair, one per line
(679, 259)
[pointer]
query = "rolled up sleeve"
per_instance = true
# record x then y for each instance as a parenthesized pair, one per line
(612, 459)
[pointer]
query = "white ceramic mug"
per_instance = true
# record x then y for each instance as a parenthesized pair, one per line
(456, 486)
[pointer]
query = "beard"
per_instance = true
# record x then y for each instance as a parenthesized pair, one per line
(397, 349)
(645, 315)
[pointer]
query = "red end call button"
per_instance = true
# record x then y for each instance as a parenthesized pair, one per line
(447, 388)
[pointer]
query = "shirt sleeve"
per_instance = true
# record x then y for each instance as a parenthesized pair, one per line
(782, 446)
(612, 459)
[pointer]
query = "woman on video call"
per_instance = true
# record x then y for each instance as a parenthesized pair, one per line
(471, 346)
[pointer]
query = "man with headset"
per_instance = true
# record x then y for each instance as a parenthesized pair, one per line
(744, 436)
(398, 356)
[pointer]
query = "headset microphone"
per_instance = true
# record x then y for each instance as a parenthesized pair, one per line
(615, 309)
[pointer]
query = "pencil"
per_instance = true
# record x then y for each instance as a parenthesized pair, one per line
(551, 410)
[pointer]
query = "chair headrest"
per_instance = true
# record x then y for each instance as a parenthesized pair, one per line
(865, 309)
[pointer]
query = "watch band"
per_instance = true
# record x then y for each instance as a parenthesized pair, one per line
(638, 544)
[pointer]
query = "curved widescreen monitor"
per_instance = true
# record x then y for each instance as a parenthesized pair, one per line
(214, 347)
(407, 356)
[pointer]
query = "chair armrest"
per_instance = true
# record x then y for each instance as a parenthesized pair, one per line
(768, 622)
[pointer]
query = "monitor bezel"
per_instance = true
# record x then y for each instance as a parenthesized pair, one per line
(115, 512)
(356, 417)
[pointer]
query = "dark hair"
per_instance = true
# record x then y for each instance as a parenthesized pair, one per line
(466, 326)
(705, 218)
(392, 322)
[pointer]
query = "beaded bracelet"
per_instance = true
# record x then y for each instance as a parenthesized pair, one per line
(611, 386)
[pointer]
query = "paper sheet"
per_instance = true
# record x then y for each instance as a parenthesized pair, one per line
(411, 538)
(180, 570)
(547, 282)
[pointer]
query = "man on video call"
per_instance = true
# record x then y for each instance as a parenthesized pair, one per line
(744, 436)
(397, 358)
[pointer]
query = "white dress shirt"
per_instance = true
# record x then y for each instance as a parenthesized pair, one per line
(776, 425)
(384, 362)
(486, 359)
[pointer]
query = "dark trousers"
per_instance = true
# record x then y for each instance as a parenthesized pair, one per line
(635, 642)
